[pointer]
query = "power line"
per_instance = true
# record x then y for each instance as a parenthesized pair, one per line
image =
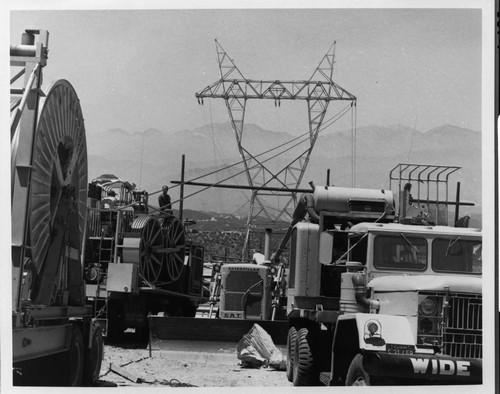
(302, 138)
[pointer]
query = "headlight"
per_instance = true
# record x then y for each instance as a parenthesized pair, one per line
(428, 307)
(430, 316)
(91, 274)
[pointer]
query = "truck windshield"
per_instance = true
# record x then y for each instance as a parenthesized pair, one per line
(457, 255)
(400, 252)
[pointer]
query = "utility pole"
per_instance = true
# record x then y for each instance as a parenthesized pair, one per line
(181, 203)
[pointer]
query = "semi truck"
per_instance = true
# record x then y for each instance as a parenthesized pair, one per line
(55, 340)
(384, 294)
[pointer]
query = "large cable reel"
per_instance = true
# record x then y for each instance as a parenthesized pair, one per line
(174, 239)
(159, 250)
(58, 193)
(150, 256)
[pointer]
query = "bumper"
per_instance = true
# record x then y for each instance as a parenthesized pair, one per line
(424, 369)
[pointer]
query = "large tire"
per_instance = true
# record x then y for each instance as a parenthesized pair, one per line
(356, 374)
(75, 359)
(290, 352)
(305, 371)
(93, 357)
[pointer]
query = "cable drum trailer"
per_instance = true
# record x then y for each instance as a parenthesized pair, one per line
(137, 262)
(55, 340)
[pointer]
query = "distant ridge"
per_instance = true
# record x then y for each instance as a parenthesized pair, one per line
(209, 147)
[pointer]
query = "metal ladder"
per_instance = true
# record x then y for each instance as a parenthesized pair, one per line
(105, 250)
(105, 258)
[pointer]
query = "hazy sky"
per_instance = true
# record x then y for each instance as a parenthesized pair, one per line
(140, 69)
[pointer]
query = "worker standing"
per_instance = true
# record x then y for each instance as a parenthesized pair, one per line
(110, 201)
(108, 217)
(164, 200)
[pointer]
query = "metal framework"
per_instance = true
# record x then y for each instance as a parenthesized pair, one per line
(235, 89)
(28, 60)
(432, 186)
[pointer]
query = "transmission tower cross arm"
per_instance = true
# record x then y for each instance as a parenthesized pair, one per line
(233, 85)
(276, 90)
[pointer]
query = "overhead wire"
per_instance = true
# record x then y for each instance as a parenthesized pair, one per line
(142, 160)
(277, 139)
(242, 205)
(214, 146)
(411, 140)
(304, 137)
(355, 139)
(216, 149)
(234, 175)
(353, 145)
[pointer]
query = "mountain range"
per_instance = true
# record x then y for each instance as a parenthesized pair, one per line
(153, 157)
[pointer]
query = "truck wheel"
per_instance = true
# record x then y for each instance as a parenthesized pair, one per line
(75, 359)
(304, 369)
(93, 357)
(290, 352)
(356, 375)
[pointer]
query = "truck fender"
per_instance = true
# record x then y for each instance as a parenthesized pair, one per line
(375, 331)
(366, 331)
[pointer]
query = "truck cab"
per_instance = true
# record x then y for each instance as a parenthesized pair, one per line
(379, 293)
(415, 300)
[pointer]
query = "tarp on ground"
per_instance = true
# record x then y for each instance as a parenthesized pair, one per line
(257, 349)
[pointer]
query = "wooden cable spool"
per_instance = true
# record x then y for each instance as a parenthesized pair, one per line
(159, 250)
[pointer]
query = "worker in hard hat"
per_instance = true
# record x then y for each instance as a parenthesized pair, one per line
(164, 200)
(110, 201)
(108, 217)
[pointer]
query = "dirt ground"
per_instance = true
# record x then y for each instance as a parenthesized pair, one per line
(183, 365)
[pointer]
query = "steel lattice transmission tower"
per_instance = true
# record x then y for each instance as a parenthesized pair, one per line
(236, 90)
